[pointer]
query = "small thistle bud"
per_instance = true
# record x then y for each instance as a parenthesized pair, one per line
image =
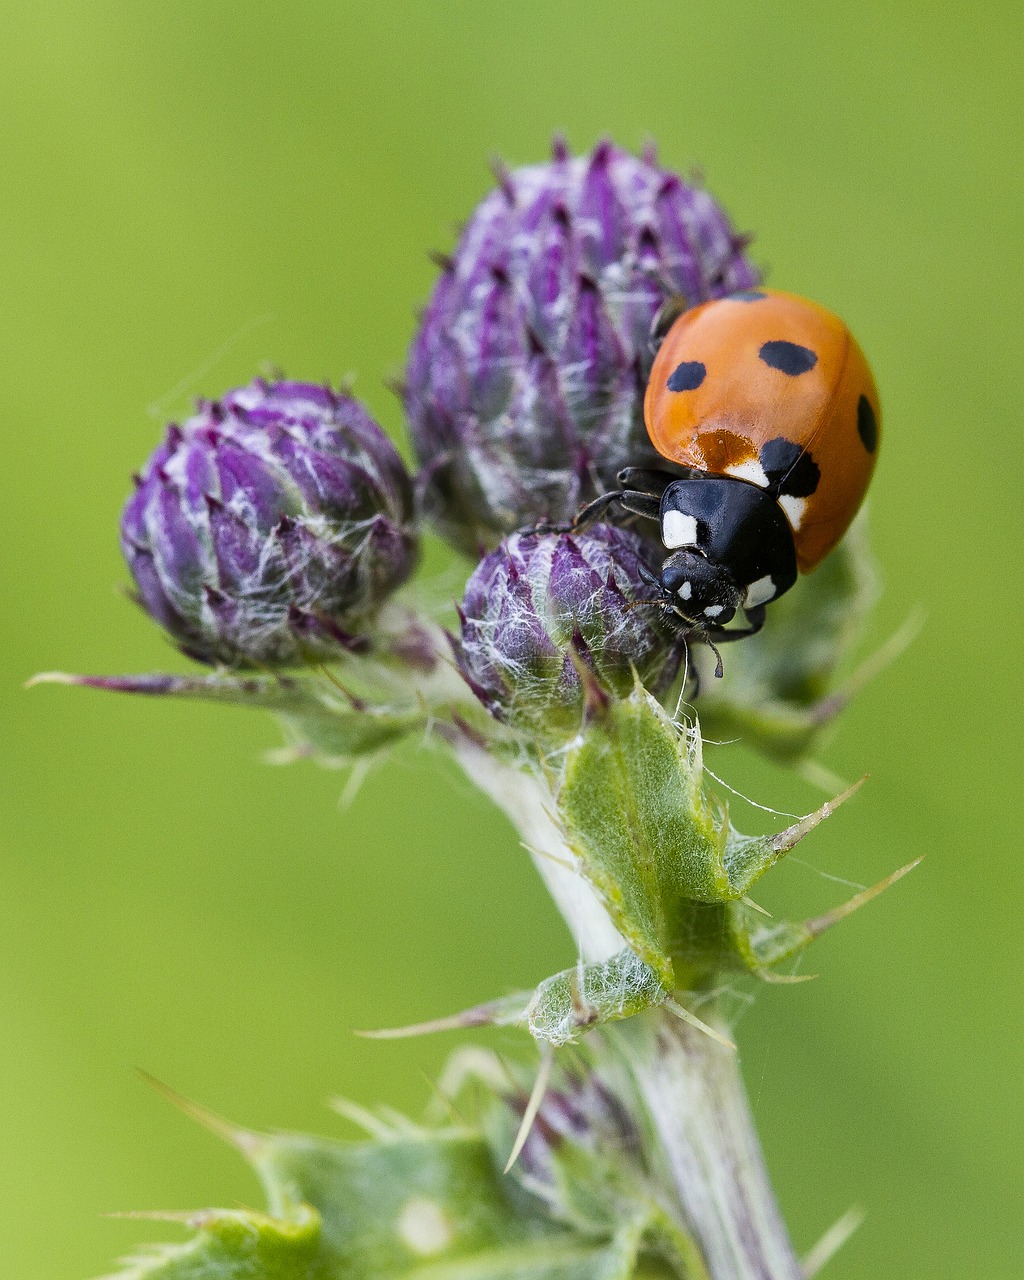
(543, 609)
(268, 528)
(524, 387)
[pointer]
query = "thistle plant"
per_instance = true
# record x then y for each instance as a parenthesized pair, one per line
(273, 535)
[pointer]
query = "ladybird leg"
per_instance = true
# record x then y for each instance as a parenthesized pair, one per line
(653, 482)
(586, 515)
(634, 501)
(638, 503)
(646, 577)
(723, 635)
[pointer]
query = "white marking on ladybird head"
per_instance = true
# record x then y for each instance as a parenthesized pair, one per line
(713, 610)
(685, 591)
(794, 509)
(759, 592)
(424, 1227)
(678, 530)
(752, 471)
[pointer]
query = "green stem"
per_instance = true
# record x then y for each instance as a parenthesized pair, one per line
(692, 1094)
(687, 1090)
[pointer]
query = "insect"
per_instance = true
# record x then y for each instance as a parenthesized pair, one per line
(767, 408)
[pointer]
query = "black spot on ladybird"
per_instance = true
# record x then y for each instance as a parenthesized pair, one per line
(867, 424)
(687, 376)
(788, 357)
(790, 469)
(747, 295)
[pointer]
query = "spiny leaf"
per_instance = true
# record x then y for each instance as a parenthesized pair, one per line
(648, 839)
(320, 719)
(428, 1208)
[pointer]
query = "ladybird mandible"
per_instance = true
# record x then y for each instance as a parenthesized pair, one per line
(767, 407)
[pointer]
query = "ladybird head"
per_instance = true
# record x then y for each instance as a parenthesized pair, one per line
(698, 590)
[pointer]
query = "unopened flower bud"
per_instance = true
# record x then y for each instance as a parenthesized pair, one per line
(547, 615)
(525, 383)
(268, 528)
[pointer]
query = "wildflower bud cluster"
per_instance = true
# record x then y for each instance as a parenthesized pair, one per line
(544, 610)
(268, 527)
(525, 382)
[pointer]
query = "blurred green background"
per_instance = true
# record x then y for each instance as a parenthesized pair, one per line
(190, 190)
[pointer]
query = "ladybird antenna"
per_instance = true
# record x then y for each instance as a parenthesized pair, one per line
(719, 665)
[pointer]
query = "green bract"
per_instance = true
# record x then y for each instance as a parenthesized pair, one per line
(421, 1202)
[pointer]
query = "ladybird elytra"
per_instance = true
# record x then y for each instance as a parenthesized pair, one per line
(773, 389)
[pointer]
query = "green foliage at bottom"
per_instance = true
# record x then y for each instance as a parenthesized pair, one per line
(415, 1204)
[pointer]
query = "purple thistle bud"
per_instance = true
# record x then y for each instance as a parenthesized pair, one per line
(524, 387)
(542, 609)
(268, 528)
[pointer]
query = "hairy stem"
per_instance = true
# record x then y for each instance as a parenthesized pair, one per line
(686, 1088)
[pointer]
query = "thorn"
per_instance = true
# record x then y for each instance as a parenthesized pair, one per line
(602, 153)
(151, 684)
(680, 1011)
(250, 1144)
(832, 1241)
(754, 906)
(194, 1218)
(53, 677)
(649, 154)
(503, 176)
(783, 979)
(596, 700)
(785, 840)
(468, 733)
(819, 924)
(559, 148)
(358, 773)
(551, 857)
(361, 1118)
(540, 1088)
(647, 247)
(355, 702)
(444, 261)
(482, 1015)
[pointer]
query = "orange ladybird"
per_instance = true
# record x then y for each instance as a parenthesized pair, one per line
(764, 382)
(767, 407)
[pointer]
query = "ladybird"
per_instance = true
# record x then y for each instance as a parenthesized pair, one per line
(767, 408)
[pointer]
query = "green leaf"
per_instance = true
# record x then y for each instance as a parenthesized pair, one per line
(574, 1001)
(320, 719)
(633, 813)
(648, 839)
(420, 1205)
